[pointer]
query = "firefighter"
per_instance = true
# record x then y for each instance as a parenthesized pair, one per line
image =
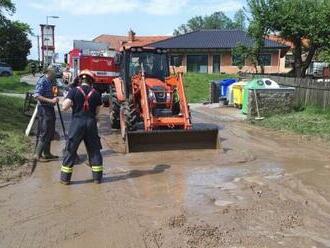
(44, 93)
(85, 102)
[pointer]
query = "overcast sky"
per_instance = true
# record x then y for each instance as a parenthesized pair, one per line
(86, 19)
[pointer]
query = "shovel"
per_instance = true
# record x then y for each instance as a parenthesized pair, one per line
(62, 122)
(258, 118)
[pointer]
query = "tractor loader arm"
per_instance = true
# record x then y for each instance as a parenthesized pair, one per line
(118, 84)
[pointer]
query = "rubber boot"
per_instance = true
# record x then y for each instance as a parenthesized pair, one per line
(39, 149)
(47, 154)
(97, 177)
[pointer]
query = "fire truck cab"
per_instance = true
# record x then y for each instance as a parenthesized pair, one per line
(95, 57)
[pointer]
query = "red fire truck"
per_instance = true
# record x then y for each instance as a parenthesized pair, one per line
(101, 63)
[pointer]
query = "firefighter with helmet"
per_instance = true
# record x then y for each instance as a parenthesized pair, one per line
(85, 102)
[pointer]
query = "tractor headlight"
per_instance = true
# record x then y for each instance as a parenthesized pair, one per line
(151, 95)
(168, 96)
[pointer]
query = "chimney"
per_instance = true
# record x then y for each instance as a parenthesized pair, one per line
(131, 35)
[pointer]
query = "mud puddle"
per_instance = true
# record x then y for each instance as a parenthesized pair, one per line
(260, 189)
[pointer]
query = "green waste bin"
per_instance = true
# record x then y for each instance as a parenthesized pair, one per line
(251, 85)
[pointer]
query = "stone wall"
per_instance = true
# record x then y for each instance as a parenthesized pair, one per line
(271, 101)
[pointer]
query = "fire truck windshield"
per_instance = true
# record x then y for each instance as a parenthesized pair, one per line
(152, 64)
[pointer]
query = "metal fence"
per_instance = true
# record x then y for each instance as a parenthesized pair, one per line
(308, 91)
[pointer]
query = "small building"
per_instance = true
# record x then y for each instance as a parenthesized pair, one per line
(210, 51)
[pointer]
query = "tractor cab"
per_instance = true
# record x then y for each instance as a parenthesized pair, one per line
(153, 63)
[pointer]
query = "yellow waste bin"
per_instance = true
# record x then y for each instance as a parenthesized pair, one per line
(238, 94)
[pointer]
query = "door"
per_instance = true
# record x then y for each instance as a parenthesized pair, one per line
(216, 63)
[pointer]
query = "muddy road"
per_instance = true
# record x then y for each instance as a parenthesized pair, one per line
(262, 189)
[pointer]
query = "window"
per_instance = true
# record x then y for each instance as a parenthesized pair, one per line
(176, 60)
(216, 63)
(289, 60)
(153, 64)
(197, 63)
(266, 59)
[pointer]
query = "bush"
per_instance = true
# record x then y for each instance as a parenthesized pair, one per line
(13, 144)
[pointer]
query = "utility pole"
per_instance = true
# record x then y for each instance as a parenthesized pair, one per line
(38, 44)
(38, 40)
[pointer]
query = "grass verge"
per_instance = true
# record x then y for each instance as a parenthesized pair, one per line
(197, 85)
(12, 84)
(13, 144)
(309, 121)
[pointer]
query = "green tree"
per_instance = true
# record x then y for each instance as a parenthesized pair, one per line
(324, 55)
(217, 20)
(14, 43)
(6, 6)
(296, 21)
(240, 20)
(242, 53)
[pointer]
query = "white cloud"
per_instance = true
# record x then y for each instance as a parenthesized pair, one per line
(87, 7)
(164, 7)
(63, 43)
(153, 7)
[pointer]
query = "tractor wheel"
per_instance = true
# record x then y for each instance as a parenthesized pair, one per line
(114, 108)
(128, 118)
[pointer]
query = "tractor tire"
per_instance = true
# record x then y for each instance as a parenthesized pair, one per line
(114, 108)
(128, 119)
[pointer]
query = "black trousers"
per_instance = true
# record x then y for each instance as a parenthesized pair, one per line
(46, 128)
(83, 128)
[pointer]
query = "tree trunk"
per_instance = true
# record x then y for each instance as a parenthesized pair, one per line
(309, 59)
(262, 69)
(297, 51)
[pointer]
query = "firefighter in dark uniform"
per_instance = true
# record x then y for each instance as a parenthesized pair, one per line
(85, 103)
(44, 93)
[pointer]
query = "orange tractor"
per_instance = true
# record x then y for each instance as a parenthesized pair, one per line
(150, 107)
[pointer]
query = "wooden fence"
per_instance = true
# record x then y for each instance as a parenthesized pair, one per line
(308, 91)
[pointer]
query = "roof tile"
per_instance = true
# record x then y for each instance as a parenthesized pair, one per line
(212, 39)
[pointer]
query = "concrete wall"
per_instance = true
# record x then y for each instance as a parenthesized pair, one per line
(271, 101)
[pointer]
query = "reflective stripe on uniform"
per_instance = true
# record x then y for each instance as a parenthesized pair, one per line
(66, 169)
(97, 168)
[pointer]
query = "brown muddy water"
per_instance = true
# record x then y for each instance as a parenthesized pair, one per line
(261, 189)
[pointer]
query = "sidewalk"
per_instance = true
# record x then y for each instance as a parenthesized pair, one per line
(30, 79)
(13, 94)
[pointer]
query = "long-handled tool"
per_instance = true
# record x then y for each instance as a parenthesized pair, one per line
(61, 118)
(31, 122)
(35, 161)
(259, 118)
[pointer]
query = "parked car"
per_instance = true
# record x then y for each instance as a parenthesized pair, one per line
(5, 69)
(316, 69)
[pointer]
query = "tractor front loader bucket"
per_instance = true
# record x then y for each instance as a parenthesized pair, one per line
(201, 136)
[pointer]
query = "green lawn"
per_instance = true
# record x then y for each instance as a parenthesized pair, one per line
(197, 85)
(310, 121)
(13, 144)
(12, 84)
